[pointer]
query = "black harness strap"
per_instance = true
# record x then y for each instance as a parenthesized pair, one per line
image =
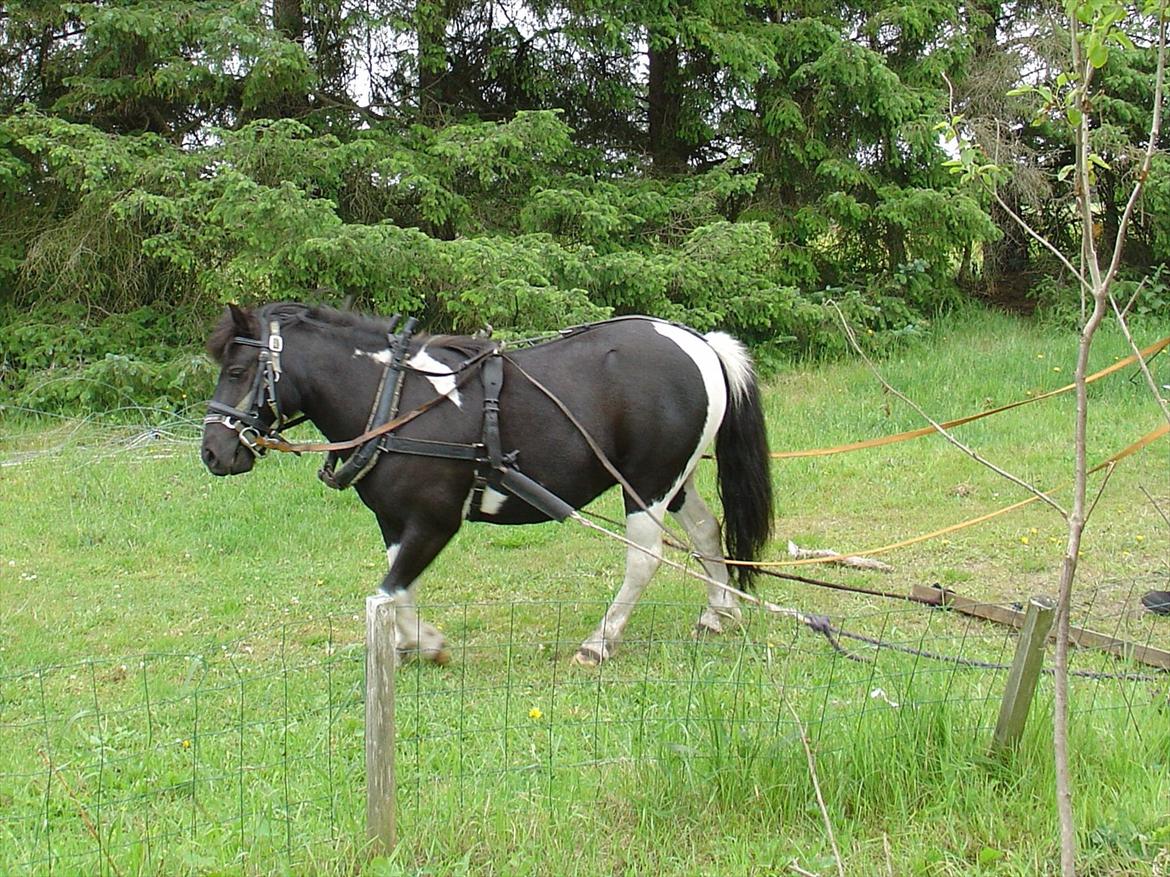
(493, 383)
(501, 471)
(385, 409)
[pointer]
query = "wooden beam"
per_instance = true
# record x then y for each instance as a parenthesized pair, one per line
(1078, 636)
(381, 662)
(1024, 674)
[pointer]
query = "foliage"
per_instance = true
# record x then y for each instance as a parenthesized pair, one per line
(733, 165)
(57, 359)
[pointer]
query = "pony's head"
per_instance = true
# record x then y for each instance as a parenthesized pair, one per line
(247, 403)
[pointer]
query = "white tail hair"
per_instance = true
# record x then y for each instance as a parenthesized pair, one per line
(737, 362)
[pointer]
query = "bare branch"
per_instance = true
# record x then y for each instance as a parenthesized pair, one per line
(1150, 382)
(836, 557)
(1151, 149)
(1100, 490)
(938, 427)
(1040, 239)
(812, 772)
(1154, 503)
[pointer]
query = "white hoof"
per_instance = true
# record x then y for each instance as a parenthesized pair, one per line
(718, 621)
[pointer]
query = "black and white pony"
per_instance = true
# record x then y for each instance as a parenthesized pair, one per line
(507, 436)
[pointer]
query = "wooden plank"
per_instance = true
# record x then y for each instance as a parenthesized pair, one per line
(1078, 636)
(381, 663)
(1024, 674)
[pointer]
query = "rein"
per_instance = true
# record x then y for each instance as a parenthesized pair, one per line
(287, 447)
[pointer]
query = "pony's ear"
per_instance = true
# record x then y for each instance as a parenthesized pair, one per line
(242, 320)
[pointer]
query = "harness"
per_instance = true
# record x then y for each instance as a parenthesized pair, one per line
(493, 467)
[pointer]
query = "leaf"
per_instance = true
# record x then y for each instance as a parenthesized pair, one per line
(1098, 54)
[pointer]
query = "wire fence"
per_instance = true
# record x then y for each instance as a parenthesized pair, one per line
(248, 755)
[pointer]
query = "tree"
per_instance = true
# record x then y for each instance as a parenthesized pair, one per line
(1100, 33)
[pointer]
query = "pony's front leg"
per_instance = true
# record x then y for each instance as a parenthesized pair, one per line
(642, 559)
(415, 636)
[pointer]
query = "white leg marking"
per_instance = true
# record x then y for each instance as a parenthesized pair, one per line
(414, 634)
(641, 563)
(722, 612)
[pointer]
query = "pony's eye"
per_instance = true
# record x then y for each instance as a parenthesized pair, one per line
(236, 372)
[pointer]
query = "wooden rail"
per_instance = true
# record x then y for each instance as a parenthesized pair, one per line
(1079, 636)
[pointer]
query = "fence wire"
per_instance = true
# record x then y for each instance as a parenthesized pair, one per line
(248, 755)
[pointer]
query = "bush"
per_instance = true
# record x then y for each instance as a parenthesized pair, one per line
(58, 359)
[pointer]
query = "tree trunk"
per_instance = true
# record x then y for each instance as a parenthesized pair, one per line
(664, 94)
(431, 23)
(289, 19)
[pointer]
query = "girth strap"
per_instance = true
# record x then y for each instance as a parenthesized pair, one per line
(501, 470)
(493, 382)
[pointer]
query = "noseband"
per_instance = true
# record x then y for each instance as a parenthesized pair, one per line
(247, 424)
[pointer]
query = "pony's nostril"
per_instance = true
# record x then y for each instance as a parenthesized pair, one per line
(208, 457)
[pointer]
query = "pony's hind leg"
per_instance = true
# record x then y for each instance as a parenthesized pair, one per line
(642, 559)
(722, 613)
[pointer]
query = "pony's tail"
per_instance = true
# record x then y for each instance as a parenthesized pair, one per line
(743, 458)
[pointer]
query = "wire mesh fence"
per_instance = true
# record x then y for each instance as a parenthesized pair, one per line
(247, 756)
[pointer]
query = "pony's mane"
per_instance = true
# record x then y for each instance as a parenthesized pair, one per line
(373, 329)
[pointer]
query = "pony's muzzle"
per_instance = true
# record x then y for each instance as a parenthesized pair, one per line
(235, 460)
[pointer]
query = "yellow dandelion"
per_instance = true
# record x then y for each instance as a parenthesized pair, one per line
(1139, 538)
(1039, 355)
(1024, 540)
(535, 713)
(186, 744)
(1056, 369)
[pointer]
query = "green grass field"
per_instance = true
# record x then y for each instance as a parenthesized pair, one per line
(181, 659)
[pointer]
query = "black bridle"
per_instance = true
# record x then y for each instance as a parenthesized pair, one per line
(247, 417)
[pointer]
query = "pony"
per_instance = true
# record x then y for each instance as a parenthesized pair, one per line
(506, 435)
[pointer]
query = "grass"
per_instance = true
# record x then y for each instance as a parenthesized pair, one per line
(180, 671)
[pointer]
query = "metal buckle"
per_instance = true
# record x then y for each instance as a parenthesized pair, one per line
(248, 435)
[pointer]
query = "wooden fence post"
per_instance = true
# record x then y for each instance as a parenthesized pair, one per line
(381, 663)
(1024, 673)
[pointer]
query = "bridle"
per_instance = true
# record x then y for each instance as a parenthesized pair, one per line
(246, 417)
